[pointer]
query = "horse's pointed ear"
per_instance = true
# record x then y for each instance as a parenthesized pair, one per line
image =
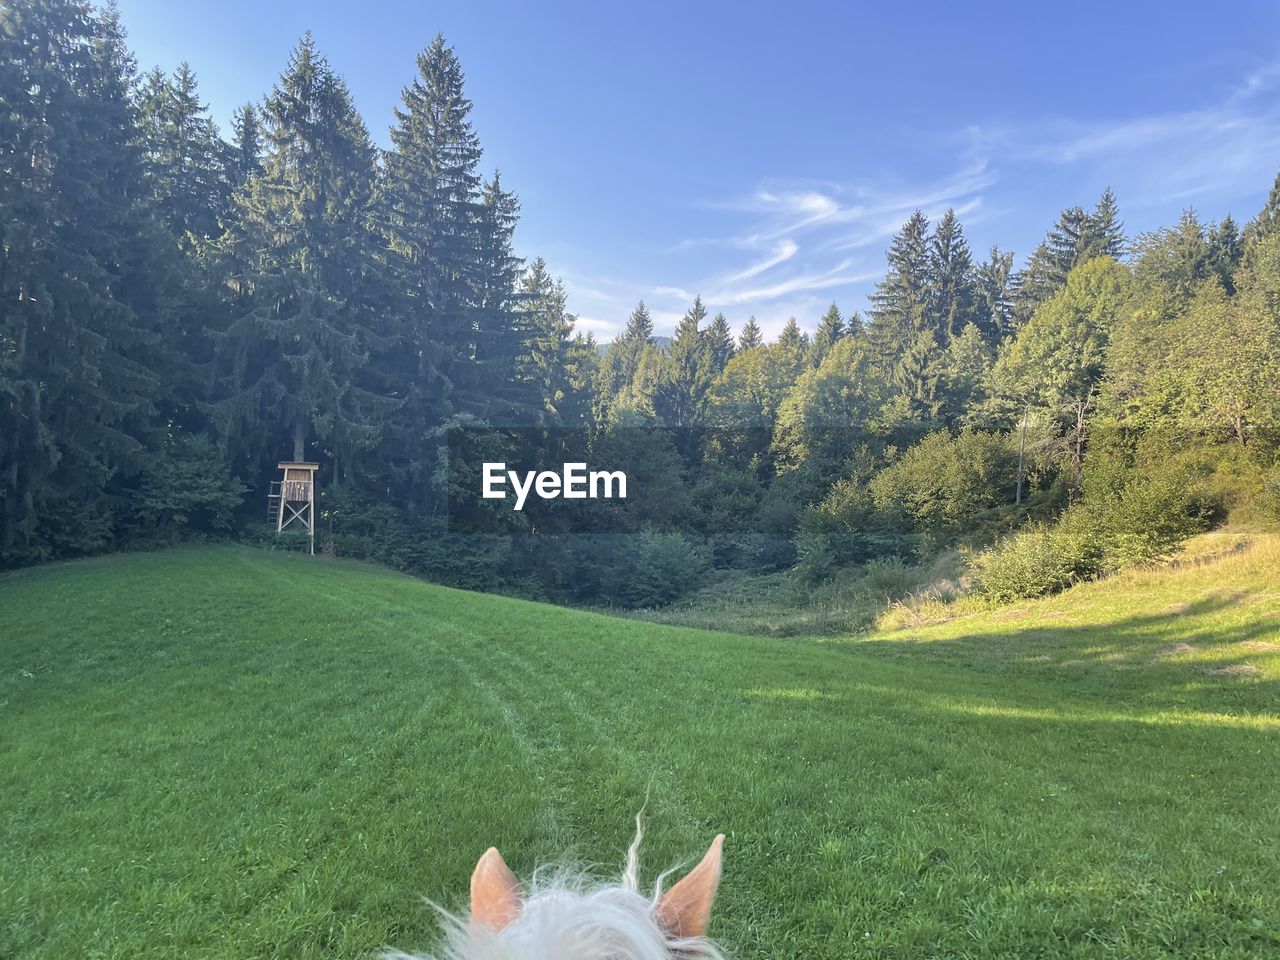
(685, 909)
(496, 895)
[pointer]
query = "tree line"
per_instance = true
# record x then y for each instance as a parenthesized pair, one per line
(180, 310)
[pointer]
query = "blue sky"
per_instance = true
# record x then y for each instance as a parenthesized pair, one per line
(762, 155)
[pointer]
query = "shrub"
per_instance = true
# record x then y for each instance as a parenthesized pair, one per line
(889, 578)
(659, 568)
(1038, 560)
(1271, 493)
(943, 482)
(1125, 520)
(188, 488)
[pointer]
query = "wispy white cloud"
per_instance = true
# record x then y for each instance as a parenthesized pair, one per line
(783, 252)
(786, 246)
(1164, 158)
(794, 240)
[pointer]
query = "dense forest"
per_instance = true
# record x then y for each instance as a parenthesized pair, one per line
(179, 310)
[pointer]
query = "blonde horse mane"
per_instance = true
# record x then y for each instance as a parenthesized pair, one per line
(566, 915)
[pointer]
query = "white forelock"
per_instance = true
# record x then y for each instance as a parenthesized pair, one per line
(567, 917)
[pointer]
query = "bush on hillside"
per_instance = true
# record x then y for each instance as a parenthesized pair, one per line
(187, 488)
(944, 482)
(1125, 520)
(653, 569)
(848, 528)
(1271, 493)
(1042, 559)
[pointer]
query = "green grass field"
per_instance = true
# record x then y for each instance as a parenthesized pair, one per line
(234, 753)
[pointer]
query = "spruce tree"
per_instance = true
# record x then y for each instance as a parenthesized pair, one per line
(547, 362)
(899, 308)
(1265, 224)
(905, 335)
(497, 324)
(793, 338)
(1226, 251)
(951, 294)
(246, 154)
(86, 282)
(433, 209)
(830, 330)
(751, 337)
(720, 343)
(1077, 237)
(621, 363)
(996, 288)
(1106, 232)
(188, 165)
(310, 299)
(639, 325)
(687, 374)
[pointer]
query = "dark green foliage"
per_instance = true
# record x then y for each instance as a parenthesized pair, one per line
(996, 291)
(792, 337)
(448, 236)
(930, 296)
(305, 309)
(654, 569)
(246, 153)
(86, 282)
(900, 302)
(190, 170)
(849, 527)
(188, 487)
(679, 397)
(1126, 518)
(619, 384)
(720, 344)
(1267, 222)
(943, 483)
(831, 329)
(547, 360)
(1078, 237)
(952, 294)
(178, 312)
(365, 528)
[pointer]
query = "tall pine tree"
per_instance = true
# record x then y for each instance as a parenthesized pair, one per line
(188, 165)
(687, 374)
(85, 286)
(830, 330)
(310, 299)
(951, 293)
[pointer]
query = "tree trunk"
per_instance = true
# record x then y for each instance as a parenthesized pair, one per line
(1077, 458)
(1022, 447)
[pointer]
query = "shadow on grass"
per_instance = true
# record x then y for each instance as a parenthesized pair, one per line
(1186, 656)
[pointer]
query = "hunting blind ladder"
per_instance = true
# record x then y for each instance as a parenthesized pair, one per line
(294, 498)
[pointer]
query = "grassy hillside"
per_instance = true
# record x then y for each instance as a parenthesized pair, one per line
(229, 753)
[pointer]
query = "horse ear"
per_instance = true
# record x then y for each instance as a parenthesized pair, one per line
(685, 910)
(496, 895)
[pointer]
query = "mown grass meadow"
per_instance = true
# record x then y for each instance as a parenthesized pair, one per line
(235, 753)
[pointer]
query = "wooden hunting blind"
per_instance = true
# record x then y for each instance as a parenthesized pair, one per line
(293, 498)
